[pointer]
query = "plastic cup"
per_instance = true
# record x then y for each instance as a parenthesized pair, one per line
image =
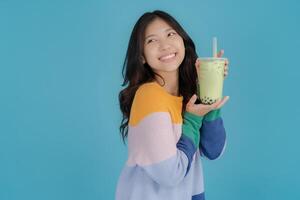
(210, 79)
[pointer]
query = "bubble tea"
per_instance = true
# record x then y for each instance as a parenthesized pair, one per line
(211, 77)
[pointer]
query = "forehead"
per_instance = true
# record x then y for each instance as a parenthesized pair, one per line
(156, 27)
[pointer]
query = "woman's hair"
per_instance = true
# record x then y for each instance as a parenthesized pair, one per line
(135, 73)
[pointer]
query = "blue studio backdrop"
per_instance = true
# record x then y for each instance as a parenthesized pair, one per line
(60, 75)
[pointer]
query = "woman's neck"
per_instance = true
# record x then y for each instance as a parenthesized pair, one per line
(171, 82)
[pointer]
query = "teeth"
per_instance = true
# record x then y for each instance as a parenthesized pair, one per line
(167, 57)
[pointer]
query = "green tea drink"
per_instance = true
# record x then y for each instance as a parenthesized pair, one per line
(210, 79)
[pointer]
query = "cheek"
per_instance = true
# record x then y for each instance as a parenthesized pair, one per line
(181, 47)
(150, 54)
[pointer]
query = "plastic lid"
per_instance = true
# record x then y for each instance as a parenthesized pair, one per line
(212, 58)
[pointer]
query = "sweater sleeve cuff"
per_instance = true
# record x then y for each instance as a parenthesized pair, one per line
(193, 117)
(212, 115)
(191, 126)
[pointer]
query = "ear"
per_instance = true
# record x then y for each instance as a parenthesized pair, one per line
(143, 59)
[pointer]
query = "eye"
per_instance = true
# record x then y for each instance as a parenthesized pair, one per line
(150, 40)
(172, 33)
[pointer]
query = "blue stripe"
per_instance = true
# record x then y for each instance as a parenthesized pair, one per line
(199, 197)
(169, 172)
(186, 145)
(213, 136)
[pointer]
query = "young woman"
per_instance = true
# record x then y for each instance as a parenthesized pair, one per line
(167, 130)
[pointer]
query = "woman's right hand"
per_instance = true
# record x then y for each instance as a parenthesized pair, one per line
(202, 109)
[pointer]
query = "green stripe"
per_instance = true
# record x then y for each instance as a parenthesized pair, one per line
(191, 125)
(212, 115)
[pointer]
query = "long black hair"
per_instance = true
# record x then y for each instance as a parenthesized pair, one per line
(135, 73)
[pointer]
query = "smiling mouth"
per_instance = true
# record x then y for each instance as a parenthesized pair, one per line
(168, 57)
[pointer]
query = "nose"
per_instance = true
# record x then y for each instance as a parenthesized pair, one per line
(164, 45)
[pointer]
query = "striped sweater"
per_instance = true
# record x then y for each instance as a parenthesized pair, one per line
(165, 149)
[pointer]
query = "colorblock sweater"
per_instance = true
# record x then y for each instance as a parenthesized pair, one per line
(165, 148)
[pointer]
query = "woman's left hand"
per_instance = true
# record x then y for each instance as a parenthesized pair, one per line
(219, 55)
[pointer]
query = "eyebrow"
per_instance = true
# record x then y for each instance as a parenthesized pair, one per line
(166, 30)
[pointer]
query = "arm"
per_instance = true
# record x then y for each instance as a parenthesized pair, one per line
(190, 136)
(213, 135)
(164, 160)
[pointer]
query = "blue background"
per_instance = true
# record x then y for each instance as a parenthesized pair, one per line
(60, 75)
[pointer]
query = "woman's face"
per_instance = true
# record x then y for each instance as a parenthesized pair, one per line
(164, 48)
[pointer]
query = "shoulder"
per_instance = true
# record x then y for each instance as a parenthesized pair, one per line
(148, 99)
(151, 93)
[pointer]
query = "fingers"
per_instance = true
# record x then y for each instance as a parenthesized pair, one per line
(214, 105)
(226, 62)
(220, 54)
(225, 73)
(192, 100)
(226, 68)
(224, 100)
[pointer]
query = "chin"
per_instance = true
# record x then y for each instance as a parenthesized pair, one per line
(170, 68)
